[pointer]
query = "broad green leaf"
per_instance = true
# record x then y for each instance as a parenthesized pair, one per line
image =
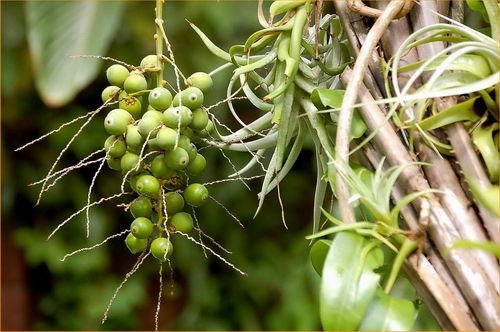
(58, 30)
(387, 313)
(319, 250)
(325, 98)
(348, 283)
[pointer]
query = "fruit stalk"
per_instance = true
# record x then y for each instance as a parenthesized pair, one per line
(159, 41)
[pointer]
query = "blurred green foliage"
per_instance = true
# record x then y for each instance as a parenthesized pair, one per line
(280, 290)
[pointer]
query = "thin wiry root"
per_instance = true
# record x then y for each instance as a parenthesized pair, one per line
(96, 245)
(213, 252)
(125, 206)
(104, 199)
(233, 179)
(197, 227)
(92, 114)
(125, 177)
(165, 213)
(87, 212)
(158, 302)
(82, 163)
(104, 58)
(224, 101)
(171, 279)
(137, 265)
(227, 211)
(281, 206)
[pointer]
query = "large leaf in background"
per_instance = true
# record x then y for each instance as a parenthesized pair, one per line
(348, 283)
(60, 29)
(388, 313)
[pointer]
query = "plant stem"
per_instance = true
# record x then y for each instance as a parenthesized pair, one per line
(159, 41)
(345, 116)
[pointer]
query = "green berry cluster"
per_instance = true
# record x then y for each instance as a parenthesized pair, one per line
(149, 122)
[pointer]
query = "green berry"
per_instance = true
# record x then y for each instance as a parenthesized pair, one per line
(195, 194)
(197, 165)
(191, 97)
(200, 119)
(130, 104)
(149, 61)
(114, 163)
(174, 202)
(185, 143)
(117, 74)
(207, 131)
(141, 207)
(201, 80)
(133, 138)
(135, 83)
(116, 121)
(159, 169)
(109, 92)
(134, 244)
(160, 98)
(141, 228)
(148, 126)
(166, 138)
(177, 116)
(161, 248)
(148, 185)
(115, 146)
(177, 159)
(182, 222)
(129, 161)
(154, 114)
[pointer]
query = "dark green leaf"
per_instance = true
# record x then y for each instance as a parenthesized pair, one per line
(58, 30)
(348, 283)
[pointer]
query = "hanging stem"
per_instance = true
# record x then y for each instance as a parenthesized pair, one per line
(159, 41)
(345, 116)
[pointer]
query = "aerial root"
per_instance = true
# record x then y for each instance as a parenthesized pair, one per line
(96, 245)
(233, 179)
(213, 252)
(158, 301)
(227, 211)
(136, 266)
(104, 199)
(87, 212)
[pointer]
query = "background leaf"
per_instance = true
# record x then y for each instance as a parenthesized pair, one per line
(58, 30)
(348, 283)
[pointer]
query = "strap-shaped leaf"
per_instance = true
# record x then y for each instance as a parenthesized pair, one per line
(58, 30)
(348, 282)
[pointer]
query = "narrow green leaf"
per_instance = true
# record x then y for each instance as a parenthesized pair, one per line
(58, 30)
(345, 292)
(387, 313)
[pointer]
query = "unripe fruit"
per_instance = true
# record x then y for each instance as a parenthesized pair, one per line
(154, 114)
(200, 119)
(200, 80)
(182, 222)
(191, 97)
(174, 202)
(197, 165)
(129, 161)
(130, 104)
(148, 185)
(159, 169)
(116, 121)
(117, 74)
(141, 207)
(110, 92)
(161, 248)
(134, 244)
(208, 129)
(115, 146)
(141, 228)
(179, 115)
(160, 98)
(148, 126)
(149, 61)
(134, 178)
(177, 159)
(135, 83)
(195, 194)
(185, 143)
(113, 163)
(166, 138)
(133, 138)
